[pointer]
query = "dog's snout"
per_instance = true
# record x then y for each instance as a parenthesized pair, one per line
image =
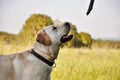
(67, 24)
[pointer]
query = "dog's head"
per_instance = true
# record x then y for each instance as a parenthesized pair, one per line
(54, 35)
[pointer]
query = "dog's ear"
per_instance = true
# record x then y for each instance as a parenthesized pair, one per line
(43, 38)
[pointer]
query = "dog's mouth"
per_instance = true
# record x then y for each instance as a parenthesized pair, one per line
(66, 38)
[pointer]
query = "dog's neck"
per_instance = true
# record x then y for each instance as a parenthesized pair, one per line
(49, 52)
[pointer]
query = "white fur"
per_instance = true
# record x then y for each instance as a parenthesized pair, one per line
(25, 66)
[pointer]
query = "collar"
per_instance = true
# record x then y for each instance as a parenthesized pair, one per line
(41, 58)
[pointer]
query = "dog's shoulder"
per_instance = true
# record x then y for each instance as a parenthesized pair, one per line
(12, 57)
(9, 57)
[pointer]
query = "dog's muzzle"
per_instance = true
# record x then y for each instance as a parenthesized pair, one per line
(66, 37)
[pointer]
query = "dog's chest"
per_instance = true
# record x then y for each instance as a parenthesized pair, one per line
(31, 68)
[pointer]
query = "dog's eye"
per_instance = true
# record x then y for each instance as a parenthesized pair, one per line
(54, 28)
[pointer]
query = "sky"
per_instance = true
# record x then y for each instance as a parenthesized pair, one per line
(102, 22)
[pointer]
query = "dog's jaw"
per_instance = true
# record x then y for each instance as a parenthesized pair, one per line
(66, 38)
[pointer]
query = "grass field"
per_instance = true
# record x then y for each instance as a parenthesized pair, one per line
(87, 64)
(81, 64)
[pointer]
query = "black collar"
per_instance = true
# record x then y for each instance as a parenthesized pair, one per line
(41, 58)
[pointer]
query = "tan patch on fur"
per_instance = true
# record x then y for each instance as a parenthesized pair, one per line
(6, 68)
(24, 61)
(43, 38)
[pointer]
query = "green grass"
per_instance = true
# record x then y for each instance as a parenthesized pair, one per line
(87, 64)
(80, 64)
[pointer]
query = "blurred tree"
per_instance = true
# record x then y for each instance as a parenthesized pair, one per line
(82, 39)
(6, 38)
(37, 21)
(85, 39)
(32, 25)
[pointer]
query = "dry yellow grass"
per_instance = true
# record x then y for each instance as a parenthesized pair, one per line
(80, 64)
(87, 64)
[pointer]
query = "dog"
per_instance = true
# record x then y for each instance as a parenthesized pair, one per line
(36, 63)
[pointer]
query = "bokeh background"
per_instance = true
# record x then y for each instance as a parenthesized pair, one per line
(93, 53)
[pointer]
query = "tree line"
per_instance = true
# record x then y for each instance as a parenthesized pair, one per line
(37, 21)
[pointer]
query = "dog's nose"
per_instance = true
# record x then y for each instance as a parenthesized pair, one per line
(67, 24)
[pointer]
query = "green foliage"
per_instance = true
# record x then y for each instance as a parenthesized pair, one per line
(105, 44)
(85, 39)
(37, 21)
(6, 38)
(32, 25)
(80, 39)
(27, 35)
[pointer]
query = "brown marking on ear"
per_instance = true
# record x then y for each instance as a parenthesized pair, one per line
(43, 38)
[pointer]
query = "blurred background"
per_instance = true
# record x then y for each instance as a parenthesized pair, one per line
(24, 18)
(93, 53)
